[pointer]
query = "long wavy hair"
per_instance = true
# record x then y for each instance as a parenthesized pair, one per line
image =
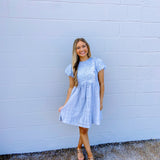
(75, 58)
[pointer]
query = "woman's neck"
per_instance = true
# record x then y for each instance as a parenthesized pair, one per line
(83, 58)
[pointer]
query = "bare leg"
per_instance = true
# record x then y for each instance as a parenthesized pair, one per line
(80, 153)
(85, 140)
(80, 143)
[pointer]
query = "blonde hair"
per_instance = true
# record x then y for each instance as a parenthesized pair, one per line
(75, 58)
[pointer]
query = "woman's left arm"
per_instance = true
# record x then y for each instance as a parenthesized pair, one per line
(101, 84)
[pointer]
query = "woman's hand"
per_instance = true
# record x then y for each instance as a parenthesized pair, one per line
(59, 110)
(101, 106)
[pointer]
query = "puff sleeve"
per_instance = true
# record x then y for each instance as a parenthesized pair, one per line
(100, 64)
(68, 70)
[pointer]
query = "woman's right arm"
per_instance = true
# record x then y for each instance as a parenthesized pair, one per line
(71, 85)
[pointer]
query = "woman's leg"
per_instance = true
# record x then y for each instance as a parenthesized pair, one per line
(85, 140)
(80, 143)
(80, 153)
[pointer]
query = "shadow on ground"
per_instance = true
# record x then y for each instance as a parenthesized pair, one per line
(134, 150)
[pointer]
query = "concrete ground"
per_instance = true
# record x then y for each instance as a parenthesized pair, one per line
(135, 150)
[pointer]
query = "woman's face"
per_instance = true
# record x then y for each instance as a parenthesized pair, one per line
(81, 49)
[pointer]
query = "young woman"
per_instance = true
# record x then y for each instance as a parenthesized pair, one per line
(84, 100)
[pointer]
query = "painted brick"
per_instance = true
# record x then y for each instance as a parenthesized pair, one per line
(3, 8)
(121, 73)
(64, 10)
(152, 3)
(145, 98)
(132, 2)
(143, 73)
(150, 29)
(58, 28)
(134, 13)
(123, 44)
(121, 86)
(132, 29)
(148, 86)
(150, 44)
(150, 14)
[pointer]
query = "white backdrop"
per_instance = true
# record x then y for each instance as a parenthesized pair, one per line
(36, 38)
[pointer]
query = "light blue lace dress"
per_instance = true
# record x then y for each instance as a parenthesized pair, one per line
(83, 107)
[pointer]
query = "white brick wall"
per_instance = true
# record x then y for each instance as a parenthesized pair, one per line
(36, 38)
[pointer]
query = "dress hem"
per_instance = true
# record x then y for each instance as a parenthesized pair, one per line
(78, 124)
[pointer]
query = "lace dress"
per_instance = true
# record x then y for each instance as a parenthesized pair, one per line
(83, 107)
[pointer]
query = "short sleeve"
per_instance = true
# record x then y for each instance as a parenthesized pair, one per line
(68, 70)
(100, 64)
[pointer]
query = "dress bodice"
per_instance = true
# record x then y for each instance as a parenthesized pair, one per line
(87, 70)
